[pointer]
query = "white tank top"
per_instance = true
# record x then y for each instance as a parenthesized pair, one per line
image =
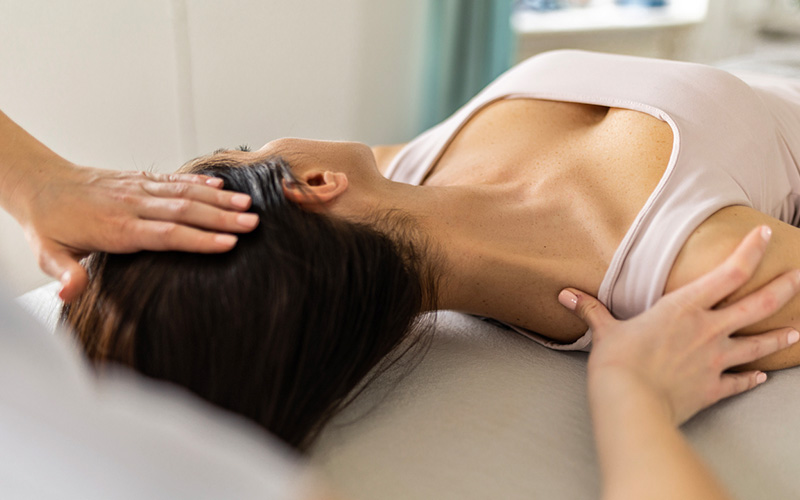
(735, 143)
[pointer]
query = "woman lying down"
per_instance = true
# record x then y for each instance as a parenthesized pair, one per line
(624, 177)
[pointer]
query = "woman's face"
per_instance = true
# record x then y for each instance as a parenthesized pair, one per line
(343, 175)
(352, 158)
(340, 178)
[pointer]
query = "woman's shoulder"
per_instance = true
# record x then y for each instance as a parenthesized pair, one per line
(619, 80)
(715, 239)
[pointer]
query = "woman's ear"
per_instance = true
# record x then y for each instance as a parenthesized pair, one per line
(316, 189)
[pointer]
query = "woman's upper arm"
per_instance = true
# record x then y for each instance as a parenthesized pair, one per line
(715, 239)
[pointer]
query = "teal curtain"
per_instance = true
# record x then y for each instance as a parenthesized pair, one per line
(469, 43)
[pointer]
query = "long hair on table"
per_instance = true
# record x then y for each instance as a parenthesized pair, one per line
(280, 329)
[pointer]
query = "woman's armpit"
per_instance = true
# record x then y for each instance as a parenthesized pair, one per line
(715, 239)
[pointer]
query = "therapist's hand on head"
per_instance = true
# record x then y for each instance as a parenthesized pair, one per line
(68, 211)
(679, 351)
(77, 210)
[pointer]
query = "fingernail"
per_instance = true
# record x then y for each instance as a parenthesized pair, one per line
(215, 182)
(761, 378)
(793, 337)
(226, 239)
(568, 299)
(240, 200)
(766, 232)
(247, 220)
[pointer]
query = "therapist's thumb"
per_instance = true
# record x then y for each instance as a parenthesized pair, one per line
(586, 307)
(73, 282)
(64, 266)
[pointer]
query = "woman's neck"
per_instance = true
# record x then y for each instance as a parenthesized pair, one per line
(504, 251)
(464, 244)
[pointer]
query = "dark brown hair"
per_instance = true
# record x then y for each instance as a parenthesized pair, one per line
(281, 328)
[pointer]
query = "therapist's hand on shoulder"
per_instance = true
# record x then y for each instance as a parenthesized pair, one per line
(679, 351)
(71, 210)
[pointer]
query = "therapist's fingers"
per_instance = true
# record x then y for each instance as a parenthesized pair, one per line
(206, 180)
(73, 283)
(160, 235)
(64, 265)
(761, 304)
(732, 384)
(735, 271)
(587, 308)
(209, 195)
(197, 214)
(748, 348)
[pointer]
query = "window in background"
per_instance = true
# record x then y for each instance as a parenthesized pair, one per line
(563, 16)
(782, 18)
(650, 28)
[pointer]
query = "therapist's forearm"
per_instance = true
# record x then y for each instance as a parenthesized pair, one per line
(22, 160)
(642, 454)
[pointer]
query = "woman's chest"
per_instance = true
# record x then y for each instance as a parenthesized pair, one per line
(600, 163)
(520, 140)
(578, 176)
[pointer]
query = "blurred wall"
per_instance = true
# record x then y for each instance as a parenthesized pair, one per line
(128, 84)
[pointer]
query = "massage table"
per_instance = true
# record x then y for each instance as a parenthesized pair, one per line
(480, 412)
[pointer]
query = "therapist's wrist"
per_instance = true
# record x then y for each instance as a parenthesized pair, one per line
(25, 180)
(616, 388)
(26, 165)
